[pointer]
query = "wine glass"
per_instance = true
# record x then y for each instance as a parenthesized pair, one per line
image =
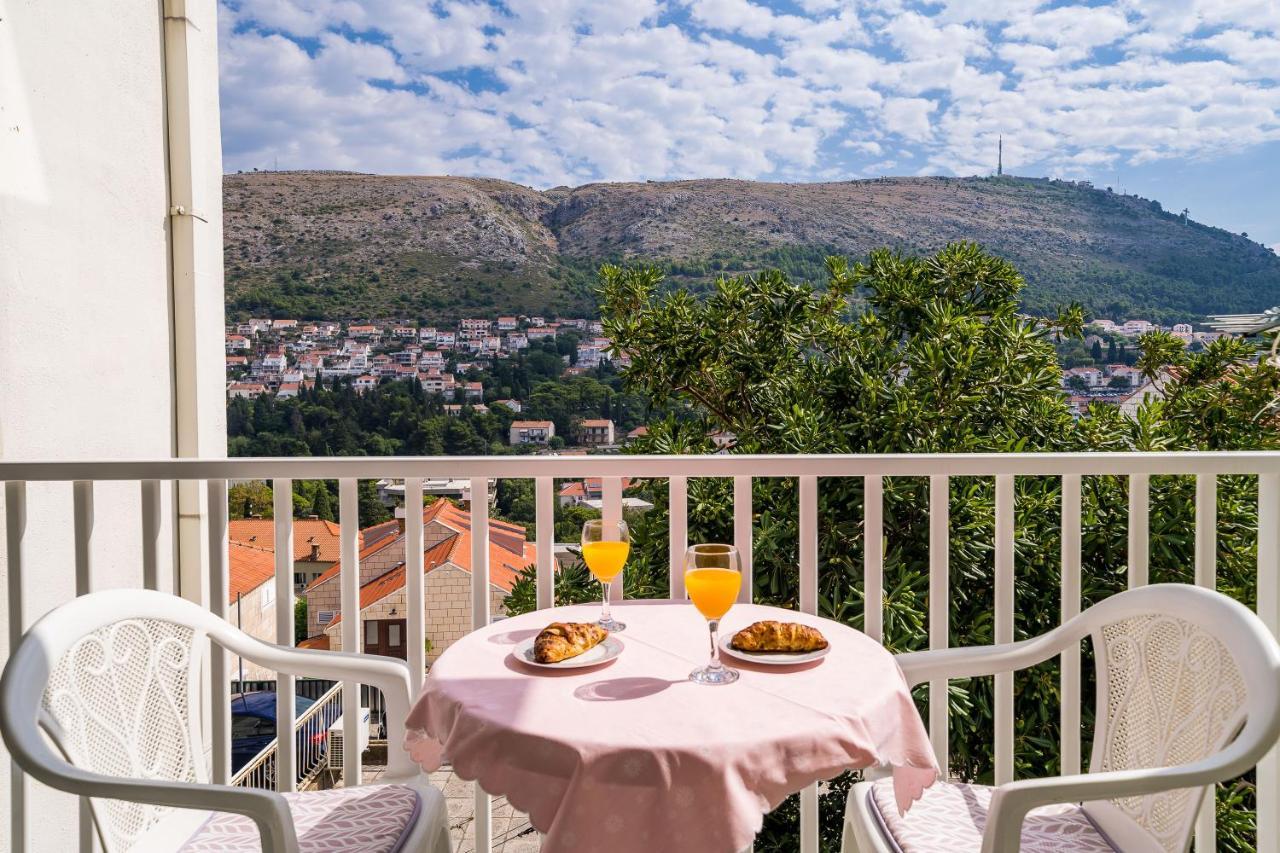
(604, 550)
(712, 577)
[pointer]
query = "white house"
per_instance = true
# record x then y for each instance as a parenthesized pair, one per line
(532, 432)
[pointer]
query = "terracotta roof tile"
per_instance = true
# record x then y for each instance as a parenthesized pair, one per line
(373, 548)
(261, 533)
(250, 568)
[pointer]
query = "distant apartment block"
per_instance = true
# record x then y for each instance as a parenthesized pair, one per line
(597, 432)
(532, 432)
(246, 389)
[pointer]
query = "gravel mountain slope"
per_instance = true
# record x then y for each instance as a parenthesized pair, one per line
(329, 244)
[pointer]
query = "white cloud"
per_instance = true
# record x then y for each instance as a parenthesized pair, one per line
(908, 117)
(570, 91)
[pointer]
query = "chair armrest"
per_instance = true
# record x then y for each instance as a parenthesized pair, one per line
(974, 661)
(389, 675)
(1011, 802)
(267, 809)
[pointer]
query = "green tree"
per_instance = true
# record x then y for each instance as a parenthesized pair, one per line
(372, 510)
(935, 359)
(250, 499)
(321, 505)
(1096, 351)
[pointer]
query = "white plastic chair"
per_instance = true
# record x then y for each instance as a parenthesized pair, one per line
(113, 679)
(1188, 695)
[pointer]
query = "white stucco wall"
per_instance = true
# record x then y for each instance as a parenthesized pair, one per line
(87, 338)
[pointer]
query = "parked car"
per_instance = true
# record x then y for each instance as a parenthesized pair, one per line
(253, 725)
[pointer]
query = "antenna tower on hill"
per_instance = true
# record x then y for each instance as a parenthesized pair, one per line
(1000, 156)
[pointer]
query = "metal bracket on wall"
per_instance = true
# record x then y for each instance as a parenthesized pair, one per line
(180, 210)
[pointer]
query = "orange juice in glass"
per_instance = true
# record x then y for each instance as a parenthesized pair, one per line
(712, 578)
(604, 550)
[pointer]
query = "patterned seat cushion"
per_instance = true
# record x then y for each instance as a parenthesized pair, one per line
(372, 819)
(951, 817)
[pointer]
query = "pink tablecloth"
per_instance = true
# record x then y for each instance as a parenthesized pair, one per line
(631, 756)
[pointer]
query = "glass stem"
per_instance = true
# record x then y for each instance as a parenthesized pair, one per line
(605, 615)
(714, 625)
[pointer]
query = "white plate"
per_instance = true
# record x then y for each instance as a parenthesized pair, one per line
(602, 652)
(770, 658)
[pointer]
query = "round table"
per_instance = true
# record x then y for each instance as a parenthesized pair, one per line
(632, 756)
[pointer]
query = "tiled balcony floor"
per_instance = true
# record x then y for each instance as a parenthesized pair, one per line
(512, 832)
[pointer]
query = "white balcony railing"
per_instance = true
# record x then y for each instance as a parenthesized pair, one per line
(1004, 468)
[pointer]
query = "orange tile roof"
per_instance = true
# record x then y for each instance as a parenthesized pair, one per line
(504, 564)
(249, 568)
(319, 641)
(508, 550)
(261, 533)
(373, 548)
(504, 533)
(504, 567)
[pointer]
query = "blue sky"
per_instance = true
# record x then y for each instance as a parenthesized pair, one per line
(1177, 100)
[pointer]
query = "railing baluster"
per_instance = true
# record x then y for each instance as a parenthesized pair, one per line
(873, 568)
(1268, 772)
(611, 493)
(286, 707)
(415, 596)
(479, 619)
(939, 610)
(809, 604)
(1004, 603)
(678, 531)
(545, 519)
(809, 544)
(151, 534)
(1139, 524)
(743, 536)
(15, 523)
(1069, 712)
(1207, 577)
(219, 670)
(82, 523)
(349, 587)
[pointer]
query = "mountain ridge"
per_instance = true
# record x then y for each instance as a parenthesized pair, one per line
(352, 245)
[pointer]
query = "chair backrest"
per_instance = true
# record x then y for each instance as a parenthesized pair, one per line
(117, 693)
(1179, 671)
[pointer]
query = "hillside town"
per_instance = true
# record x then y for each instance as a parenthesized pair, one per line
(280, 357)
(1112, 378)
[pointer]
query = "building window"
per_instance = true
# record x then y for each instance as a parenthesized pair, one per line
(324, 617)
(268, 594)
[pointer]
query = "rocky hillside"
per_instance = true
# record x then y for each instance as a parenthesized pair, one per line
(324, 244)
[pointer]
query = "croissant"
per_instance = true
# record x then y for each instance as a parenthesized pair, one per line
(563, 640)
(771, 636)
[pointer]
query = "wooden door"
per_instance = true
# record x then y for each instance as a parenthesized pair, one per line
(385, 637)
